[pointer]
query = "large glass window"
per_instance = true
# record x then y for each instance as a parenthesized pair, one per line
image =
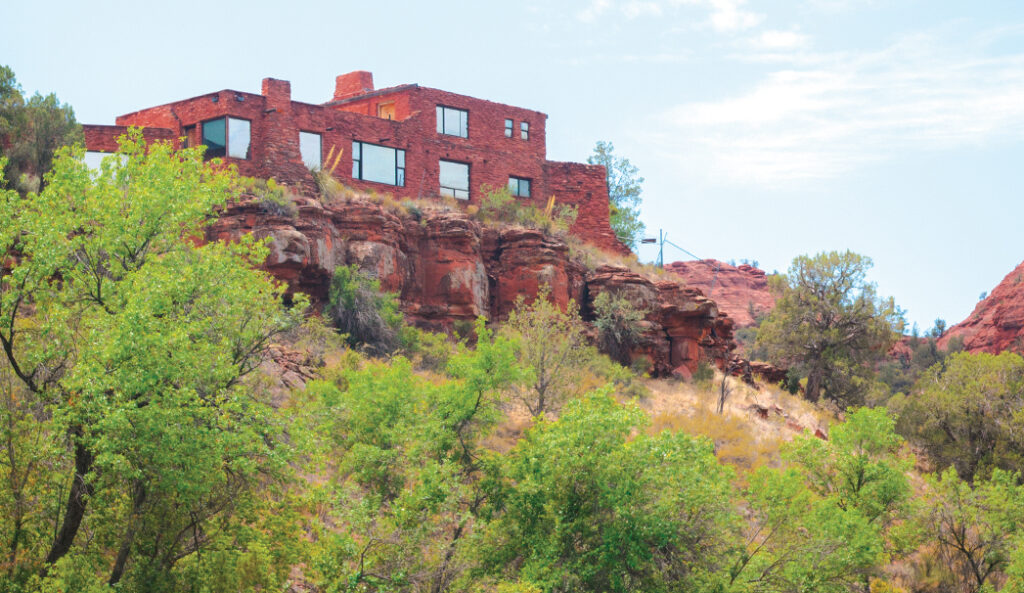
(227, 136)
(453, 122)
(455, 179)
(519, 186)
(310, 149)
(508, 128)
(380, 164)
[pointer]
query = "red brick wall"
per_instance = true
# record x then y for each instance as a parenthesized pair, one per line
(276, 121)
(104, 138)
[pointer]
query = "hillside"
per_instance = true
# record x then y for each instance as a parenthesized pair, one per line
(997, 323)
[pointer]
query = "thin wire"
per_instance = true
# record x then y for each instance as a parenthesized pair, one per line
(714, 277)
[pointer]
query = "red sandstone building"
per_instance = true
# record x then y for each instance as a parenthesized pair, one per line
(407, 140)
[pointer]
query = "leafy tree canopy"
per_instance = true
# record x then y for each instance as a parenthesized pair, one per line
(830, 325)
(623, 192)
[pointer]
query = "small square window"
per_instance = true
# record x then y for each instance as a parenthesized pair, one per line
(508, 128)
(519, 187)
(524, 130)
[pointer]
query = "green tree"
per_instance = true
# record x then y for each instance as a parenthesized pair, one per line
(969, 413)
(624, 181)
(410, 462)
(830, 325)
(368, 317)
(590, 505)
(553, 345)
(618, 325)
(834, 517)
(31, 131)
(979, 529)
(130, 343)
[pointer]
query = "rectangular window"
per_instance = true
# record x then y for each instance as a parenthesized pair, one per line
(508, 128)
(524, 130)
(455, 179)
(452, 122)
(310, 149)
(226, 136)
(238, 138)
(519, 187)
(379, 164)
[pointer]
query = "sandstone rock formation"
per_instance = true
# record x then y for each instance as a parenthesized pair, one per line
(997, 323)
(738, 290)
(447, 267)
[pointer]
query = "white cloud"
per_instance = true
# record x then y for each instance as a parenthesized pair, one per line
(729, 16)
(593, 10)
(841, 111)
(636, 8)
(779, 40)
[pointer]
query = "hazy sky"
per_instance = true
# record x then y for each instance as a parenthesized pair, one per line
(764, 130)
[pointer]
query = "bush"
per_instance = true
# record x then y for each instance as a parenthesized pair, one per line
(499, 205)
(274, 198)
(618, 325)
(371, 319)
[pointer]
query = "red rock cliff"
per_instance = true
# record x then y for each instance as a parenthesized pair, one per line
(738, 290)
(448, 267)
(997, 322)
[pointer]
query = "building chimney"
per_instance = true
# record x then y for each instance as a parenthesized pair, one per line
(352, 84)
(278, 94)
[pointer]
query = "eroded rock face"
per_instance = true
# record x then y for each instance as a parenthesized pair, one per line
(740, 291)
(447, 268)
(997, 323)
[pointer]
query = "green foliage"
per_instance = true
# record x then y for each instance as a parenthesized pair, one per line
(623, 193)
(125, 348)
(587, 506)
(553, 345)
(31, 131)
(830, 325)
(902, 370)
(369, 318)
(979, 529)
(406, 490)
(499, 205)
(829, 521)
(969, 413)
(618, 326)
(274, 198)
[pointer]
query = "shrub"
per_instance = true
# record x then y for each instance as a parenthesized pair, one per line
(371, 319)
(499, 205)
(274, 198)
(618, 325)
(327, 184)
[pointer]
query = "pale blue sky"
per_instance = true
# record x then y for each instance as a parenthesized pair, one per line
(764, 130)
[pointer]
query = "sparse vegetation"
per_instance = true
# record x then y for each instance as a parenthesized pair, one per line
(500, 206)
(618, 326)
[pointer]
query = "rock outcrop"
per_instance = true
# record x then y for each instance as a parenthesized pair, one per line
(997, 323)
(738, 290)
(447, 268)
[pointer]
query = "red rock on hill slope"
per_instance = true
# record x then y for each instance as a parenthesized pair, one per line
(737, 290)
(997, 323)
(447, 268)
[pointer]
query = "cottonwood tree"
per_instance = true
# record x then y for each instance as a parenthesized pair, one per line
(624, 182)
(126, 343)
(830, 325)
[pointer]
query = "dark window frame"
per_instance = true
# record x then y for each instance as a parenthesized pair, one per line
(517, 189)
(456, 191)
(440, 117)
(226, 118)
(357, 163)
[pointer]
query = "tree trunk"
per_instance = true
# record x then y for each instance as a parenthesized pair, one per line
(813, 390)
(138, 497)
(74, 510)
